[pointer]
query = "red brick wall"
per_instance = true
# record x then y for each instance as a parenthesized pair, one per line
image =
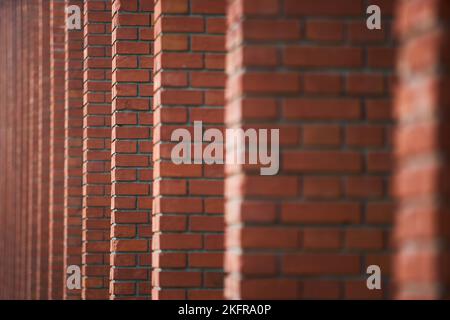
(312, 69)
(187, 206)
(85, 162)
(73, 148)
(96, 149)
(422, 150)
(131, 168)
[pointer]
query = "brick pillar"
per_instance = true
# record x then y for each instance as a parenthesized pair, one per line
(422, 149)
(313, 70)
(17, 106)
(43, 150)
(13, 184)
(3, 146)
(6, 46)
(22, 158)
(32, 8)
(11, 166)
(56, 227)
(96, 149)
(26, 153)
(73, 150)
(15, 150)
(3, 155)
(131, 170)
(188, 203)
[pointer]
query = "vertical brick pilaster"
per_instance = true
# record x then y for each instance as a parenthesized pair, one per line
(3, 292)
(313, 70)
(11, 166)
(14, 148)
(43, 149)
(131, 169)
(6, 144)
(73, 149)
(96, 149)
(17, 105)
(33, 27)
(188, 203)
(56, 227)
(26, 154)
(22, 109)
(422, 148)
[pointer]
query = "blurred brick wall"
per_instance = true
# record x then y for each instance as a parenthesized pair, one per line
(314, 70)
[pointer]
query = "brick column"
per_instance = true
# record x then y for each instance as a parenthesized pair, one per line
(422, 149)
(73, 149)
(23, 163)
(96, 149)
(313, 70)
(43, 150)
(14, 169)
(3, 181)
(6, 46)
(15, 149)
(131, 170)
(23, 69)
(188, 203)
(56, 239)
(17, 105)
(33, 27)
(25, 55)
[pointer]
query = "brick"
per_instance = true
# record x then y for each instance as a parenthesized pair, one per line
(324, 30)
(320, 239)
(313, 264)
(316, 212)
(314, 161)
(322, 187)
(323, 57)
(258, 29)
(327, 109)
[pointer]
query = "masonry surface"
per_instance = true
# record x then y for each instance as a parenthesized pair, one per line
(87, 179)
